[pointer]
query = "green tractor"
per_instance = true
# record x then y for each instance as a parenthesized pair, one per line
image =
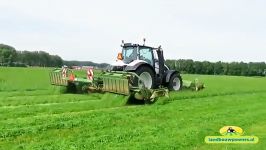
(139, 72)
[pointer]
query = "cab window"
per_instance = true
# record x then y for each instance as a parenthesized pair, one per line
(146, 55)
(129, 54)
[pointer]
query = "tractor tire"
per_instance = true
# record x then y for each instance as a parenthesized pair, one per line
(175, 82)
(148, 76)
(71, 88)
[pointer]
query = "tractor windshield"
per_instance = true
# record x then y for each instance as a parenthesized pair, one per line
(129, 54)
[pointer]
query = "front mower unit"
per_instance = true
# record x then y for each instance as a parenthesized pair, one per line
(116, 83)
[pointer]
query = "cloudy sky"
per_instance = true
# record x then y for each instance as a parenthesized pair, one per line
(227, 30)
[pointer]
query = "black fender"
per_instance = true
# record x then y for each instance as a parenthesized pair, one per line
(168, 74)
(135, 67)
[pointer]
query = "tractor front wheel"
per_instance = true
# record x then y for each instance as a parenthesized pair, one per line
(146, 77)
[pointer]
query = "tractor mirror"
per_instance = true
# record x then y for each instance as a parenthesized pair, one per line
(119, 56)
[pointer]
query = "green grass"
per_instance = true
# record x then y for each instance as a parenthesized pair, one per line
(21, 79)
(40, 117)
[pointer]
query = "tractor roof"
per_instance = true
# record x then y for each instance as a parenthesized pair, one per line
(136, 45)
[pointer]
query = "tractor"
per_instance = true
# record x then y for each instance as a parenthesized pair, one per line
(139, 72)
(149, 64)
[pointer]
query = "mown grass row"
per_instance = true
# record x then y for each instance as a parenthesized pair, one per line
(108, 100)
(46, 99)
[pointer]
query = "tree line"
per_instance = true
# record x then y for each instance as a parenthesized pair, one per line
(218, 68)
(9, 56)
(85, 63)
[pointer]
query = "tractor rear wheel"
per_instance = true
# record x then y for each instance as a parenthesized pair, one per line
(175, 82)
(146, 75)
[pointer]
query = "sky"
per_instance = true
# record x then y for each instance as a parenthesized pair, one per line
(92, 30)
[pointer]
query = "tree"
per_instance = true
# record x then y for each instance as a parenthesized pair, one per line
(208, 67)
(198, 68)
(39, 58)
(189, 67)
(7, 55)
(244, 68)
(218, 68)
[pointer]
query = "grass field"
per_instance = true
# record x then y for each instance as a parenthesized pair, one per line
(35, 115)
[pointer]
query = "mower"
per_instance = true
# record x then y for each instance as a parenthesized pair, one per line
(139, 72)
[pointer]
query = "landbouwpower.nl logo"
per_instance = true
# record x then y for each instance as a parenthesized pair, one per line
(231, 134)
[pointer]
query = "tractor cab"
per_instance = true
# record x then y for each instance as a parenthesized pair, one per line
(131, 53)
(137, 52)
(149, 64)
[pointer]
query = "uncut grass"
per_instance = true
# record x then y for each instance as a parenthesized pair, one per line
(222, 85)
(24, 79)
(180, 124)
